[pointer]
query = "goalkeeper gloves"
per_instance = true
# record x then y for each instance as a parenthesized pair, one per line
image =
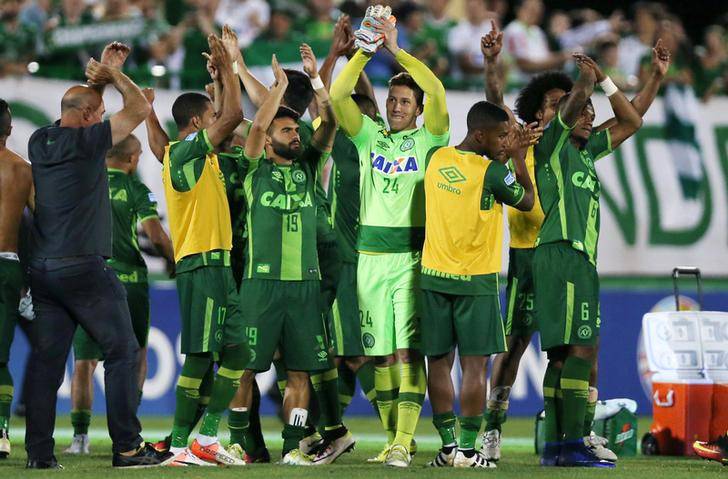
(366, 37)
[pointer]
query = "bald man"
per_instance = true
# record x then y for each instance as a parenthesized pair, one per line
(71, 282)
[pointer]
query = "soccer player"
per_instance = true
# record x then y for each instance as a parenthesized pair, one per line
(566, 284)
(391, 230)
(281, 286)
(199, 219)
(465, 189)
(16, 188)
(536, 103)
(131, 203)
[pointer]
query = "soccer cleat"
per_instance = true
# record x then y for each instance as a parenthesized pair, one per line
(491, 447)
(4, 444)
(577, 453)
(444, 458)
(215, 453)
(310, 443)
(296, 457)
(146, 456)
(186, 459)
(79, 445)
(331, 450)
(236, 450)
(598, 445)
(163, 445)
(713, 450)
(477, 460)
(381, 457)
(550, 454)
(398, 456)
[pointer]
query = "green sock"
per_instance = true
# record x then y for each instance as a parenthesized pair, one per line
(347, 386)
(387, 381)
(326, 388)
(227, 381)
(365, 374)
(445, 425)
(292, 435)
(238, 423)
(80, 420)
(281, 376)
(495, 415)
(550, 386)
(411, 397)
(469, 429)
(591, 409)
(254, 435)
(575, 389)
(187, 396)
(6, 395)
(205, 391)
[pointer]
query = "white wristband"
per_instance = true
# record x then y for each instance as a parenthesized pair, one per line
(317, 83)
(235, 67)
(608, 86)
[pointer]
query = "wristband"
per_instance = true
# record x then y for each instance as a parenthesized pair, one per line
(317, 83)
(608, 86)
(235, 67)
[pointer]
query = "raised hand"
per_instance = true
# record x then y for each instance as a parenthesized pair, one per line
(492, 43)
(660, 58)
(230, 41)
(211, 68)
(149, 95)
(388, 28)
(219, 56)
(521, 136)
(210, 90)
(279, 74)
(588, 68)
(98, 73)
(343, 41)
(309, 61)
(115, 54)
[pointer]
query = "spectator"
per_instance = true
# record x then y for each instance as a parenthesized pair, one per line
(191, 35)
(66, 63)
(580, 30)
(319, 25)
(114, 10)
(713, 56)
(149, 48)
(36, 15)
(280, 38)
(526, 43)
(464, 38)
(17, 40)
(608, 55)
(247, 17)
(634, 47)
(431, 46)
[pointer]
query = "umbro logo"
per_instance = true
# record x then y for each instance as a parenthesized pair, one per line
(452, 174)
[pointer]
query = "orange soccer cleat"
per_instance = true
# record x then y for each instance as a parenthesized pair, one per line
(714, 450)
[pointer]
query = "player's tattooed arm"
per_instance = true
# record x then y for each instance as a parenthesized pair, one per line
(231, 112)
(643, 100)
(323, 137)
(437, 120)
(490, 46)
(156, 135)
(570, 110)
(628, 119)
(136, 108)
(255, 143)
(256, 91)
(519, 139)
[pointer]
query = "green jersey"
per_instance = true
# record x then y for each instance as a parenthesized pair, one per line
(324, 228)
(281, 217)
(344, 195)
(131, 203)
(230, 162)
(391, 185)
(569, 188)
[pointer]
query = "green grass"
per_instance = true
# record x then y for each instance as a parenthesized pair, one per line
(519, 461)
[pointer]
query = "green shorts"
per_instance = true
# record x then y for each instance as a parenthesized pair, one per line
(345, 326)
(566, 288)
(284, 315)
(519, 293)
(330, 267)
(209, 310)
(472, 323)
(389, 299)
(11, 282)
(137, 297)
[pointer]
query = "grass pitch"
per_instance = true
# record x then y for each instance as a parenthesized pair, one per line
(518, 461)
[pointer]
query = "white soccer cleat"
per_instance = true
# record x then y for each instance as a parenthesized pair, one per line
(79, 445)
(381, 457)
(477, 460)
(4, 444)
(334, 449)
(309, 443)
(236, 451)
(598, 445)
(398, 456)
(443, 458)
(297, 458)
(186, 459)
(491, 447)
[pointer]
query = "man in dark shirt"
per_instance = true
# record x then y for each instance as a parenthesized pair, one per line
(71, 283)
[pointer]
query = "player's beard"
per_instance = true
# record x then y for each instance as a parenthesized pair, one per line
(285, 150)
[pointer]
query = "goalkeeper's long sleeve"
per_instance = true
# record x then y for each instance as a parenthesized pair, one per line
(437, 120)
(346, 110)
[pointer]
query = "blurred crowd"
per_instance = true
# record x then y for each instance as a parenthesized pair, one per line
(55, 38)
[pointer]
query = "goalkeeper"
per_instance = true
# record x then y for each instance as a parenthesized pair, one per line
(392, 220)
